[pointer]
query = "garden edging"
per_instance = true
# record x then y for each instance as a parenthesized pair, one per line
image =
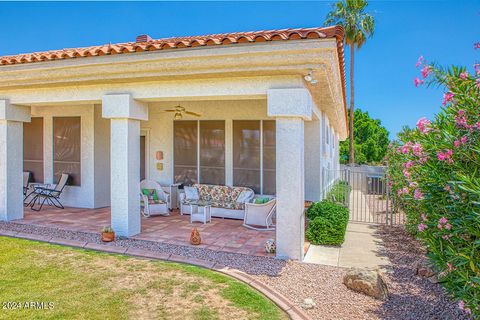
(280, 300)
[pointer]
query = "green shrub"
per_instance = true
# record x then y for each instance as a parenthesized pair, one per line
(339, 192)
(328, 223)
(435, 179)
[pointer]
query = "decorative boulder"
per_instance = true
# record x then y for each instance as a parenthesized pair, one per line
(366, 281)
(424, 270)
(308, 304)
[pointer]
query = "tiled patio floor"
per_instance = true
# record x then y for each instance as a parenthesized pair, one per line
(221, 234)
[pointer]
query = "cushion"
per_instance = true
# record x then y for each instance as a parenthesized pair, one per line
(261, 200)
(151, 194)
(245, 196)
(191, 193)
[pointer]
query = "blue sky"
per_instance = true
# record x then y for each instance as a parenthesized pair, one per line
(442, 31)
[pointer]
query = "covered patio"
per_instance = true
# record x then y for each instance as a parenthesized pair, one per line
(263, 110)
(220, 235)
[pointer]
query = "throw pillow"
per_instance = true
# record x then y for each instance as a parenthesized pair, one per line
(261, 200)
(150, 193)
(245, 196)
(191, 193)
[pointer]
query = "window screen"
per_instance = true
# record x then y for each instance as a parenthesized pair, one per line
(33, 149)
(66, 148)
(246, 154)
(212, 152)
(269, 158)
(185, 152)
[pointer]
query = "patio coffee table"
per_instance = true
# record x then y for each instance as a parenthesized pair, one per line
(200, 211)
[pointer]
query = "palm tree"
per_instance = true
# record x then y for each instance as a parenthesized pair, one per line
(358, 26)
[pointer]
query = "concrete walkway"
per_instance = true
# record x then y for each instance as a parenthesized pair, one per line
(360, 249)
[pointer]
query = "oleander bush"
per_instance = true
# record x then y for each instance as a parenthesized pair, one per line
(327, 223)
(434, 173)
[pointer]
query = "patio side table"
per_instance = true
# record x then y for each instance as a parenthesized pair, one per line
(200, 211)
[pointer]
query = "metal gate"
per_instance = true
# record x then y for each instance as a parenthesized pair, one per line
(364, 190)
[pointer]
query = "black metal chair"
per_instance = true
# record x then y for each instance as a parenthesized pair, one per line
(26, 181)
(42, 194)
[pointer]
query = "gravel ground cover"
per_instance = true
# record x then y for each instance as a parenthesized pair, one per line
(243, 262)
(411, 297)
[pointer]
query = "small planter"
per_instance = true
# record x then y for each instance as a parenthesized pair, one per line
(108, 235)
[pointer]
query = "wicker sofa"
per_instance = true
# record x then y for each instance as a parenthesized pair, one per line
(223, 200)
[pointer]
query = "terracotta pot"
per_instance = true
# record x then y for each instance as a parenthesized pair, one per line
(108, 236)
(195, 238)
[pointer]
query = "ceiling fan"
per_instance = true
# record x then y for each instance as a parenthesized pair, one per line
(180, 111)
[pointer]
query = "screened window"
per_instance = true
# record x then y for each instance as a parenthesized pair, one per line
(66, 148)
(254, 155)
(199, 152)
(185, 152)
(33, 149)
(212, 152)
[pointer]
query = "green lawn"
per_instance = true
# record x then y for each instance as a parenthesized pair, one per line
(85, 284)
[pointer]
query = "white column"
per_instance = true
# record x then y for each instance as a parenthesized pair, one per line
(290, 107)
(11, 159)
(312, 160)
(125, 115)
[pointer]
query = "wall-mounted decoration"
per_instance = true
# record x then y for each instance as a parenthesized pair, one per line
(160, 166)
(159, 155)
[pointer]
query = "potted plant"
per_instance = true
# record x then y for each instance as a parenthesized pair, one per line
(108, 235)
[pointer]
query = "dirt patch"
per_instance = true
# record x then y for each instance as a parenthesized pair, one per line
(150, 288)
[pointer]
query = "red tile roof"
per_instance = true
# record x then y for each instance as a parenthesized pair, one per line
(336, 32)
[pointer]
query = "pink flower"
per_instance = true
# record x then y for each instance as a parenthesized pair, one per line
(423, 159)
(406, 174)
(405, 149)
(461, 306)
(408, 164)
(464, 139)
(439, 226)
(463, 75)
(445, 156)
(447, 97)
(450, 266)
(422, 226)
(476, 66)
(420, 60)
(417, 82)
(477, 82)
(456, 143)
(426, 71)
(461, 119)
(423, 125)
(417, 148)
(424, 217)
(418, 195)
(443, 220)
(413, 185)
(476, 45)
(448, 226)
